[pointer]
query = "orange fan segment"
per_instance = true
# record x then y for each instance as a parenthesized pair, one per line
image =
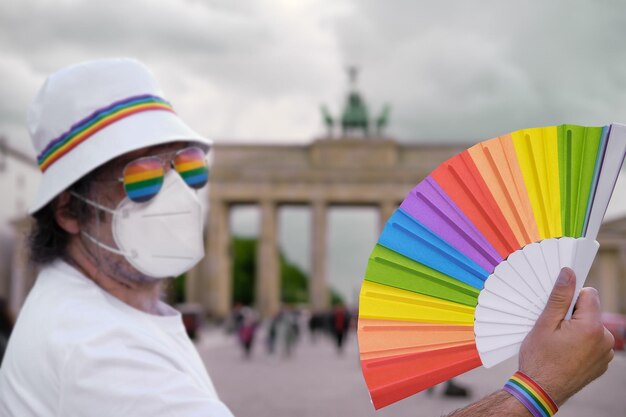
(497, 162)
(383, 338)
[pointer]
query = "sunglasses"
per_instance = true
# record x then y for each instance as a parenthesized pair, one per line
(143, 177)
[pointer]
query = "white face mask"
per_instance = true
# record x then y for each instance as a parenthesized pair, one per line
(163, 237)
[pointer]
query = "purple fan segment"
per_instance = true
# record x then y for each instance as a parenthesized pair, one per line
(429, 204)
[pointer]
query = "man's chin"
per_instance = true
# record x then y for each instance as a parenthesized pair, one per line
(124, 272)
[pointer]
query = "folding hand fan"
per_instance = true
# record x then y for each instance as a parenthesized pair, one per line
(464, 267)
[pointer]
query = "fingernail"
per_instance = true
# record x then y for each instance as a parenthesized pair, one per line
(565, 277)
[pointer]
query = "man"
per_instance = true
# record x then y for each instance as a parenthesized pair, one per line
(118, 211)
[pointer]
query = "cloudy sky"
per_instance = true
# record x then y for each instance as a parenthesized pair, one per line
(257, 70)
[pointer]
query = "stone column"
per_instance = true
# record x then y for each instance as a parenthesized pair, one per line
(385, 210)
(609, 279)
(193, 279)
(212, 286)
(318, 291)
(267, 262)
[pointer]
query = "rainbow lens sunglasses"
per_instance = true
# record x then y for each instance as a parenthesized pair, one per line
(143, 177)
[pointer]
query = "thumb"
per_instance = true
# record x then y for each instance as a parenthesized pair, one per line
(559, 300)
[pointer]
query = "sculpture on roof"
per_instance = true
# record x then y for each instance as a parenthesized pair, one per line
(354, 120)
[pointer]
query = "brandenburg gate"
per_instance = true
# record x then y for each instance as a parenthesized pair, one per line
(360, 168)
(327, 172)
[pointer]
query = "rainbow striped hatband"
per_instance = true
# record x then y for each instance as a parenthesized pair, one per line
(529, 393)
(101, 118)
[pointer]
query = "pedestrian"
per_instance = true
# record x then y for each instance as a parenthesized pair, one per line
(248, 323)
(235, 319)
(287, 329)
(272, 330)
(340, 322)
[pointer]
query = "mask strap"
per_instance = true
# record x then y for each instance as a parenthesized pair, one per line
(103, 245)
(93, 239)
(92, 203)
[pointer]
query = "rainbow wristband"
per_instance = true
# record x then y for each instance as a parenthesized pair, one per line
(529, 393)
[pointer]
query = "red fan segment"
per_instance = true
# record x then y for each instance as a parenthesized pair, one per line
(462, 181)
(394, 378)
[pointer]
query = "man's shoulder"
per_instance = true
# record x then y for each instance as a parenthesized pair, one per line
(62, 312)
(66, 308)
(62, 294)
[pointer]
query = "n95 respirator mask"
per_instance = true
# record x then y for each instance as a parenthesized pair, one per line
(161, 238)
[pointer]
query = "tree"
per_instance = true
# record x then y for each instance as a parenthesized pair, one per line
(294, 287)
(244, 270)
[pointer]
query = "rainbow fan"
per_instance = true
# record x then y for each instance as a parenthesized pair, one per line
(465, 265)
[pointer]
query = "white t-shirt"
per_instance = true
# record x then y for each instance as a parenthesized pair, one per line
(77, 351)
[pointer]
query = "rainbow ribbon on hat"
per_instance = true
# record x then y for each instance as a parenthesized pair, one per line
(529, 393)
(98, 120)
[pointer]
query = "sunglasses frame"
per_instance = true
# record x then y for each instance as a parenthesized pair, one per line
(166, 164)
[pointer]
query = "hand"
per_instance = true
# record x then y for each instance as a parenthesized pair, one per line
(565, 355)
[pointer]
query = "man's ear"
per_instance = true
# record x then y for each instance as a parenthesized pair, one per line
(64, 216)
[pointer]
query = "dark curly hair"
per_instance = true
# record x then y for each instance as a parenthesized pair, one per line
(47, 241)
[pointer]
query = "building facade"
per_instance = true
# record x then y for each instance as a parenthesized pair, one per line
(373, 172)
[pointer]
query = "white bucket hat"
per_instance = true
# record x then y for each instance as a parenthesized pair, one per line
(90, 113)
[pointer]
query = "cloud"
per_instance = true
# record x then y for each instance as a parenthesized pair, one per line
(253, 72)
(18, 86)
(464, 71)
(257, 71)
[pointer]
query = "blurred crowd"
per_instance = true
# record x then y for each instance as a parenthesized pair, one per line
(281, 333)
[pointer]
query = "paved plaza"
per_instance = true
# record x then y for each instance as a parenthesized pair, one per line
(317, 382)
